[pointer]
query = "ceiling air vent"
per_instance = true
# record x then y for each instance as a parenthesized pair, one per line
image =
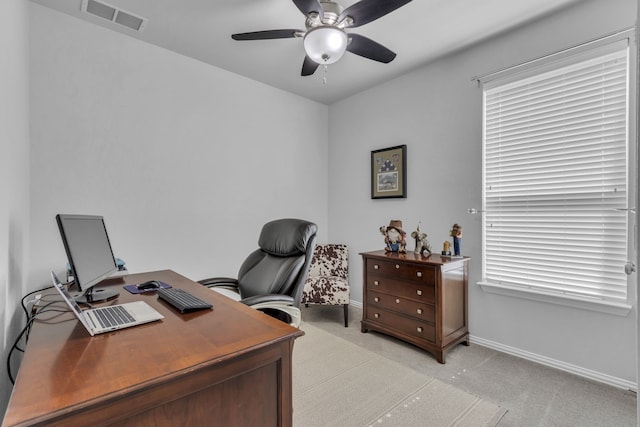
(114, 14)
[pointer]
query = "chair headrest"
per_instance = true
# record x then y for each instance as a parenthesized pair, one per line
(286, 237)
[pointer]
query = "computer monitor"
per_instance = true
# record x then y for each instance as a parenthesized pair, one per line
(89, 253)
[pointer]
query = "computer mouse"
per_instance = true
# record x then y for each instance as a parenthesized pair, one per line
(151, 284)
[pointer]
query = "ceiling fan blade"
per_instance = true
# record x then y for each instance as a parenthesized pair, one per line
(308, 67)
(367, 48)
(308, 6)
(366, 11)
(266, 35)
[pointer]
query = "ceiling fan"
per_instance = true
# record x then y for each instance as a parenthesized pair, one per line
(325, 38)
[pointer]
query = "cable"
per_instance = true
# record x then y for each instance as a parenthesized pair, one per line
(14, 347)
(26, 312)
(31, 317)
(26, 330)
(40, 310)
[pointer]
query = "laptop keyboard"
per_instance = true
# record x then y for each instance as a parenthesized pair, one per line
(112, 316)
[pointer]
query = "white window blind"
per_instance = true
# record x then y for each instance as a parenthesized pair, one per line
(555, 180)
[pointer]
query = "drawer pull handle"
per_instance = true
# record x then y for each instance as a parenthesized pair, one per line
(376, 283)
(419, 292)
(376, 299)
(377, 315)
(419, 311)
(419, 329)
(376, 267)
(397, 266)
(419, 273)
(397, 301)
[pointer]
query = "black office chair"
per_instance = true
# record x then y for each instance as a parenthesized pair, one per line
(272, 277)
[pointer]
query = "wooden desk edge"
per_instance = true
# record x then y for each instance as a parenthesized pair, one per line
(288, 334)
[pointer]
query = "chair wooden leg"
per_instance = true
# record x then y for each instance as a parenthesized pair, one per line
(346, 315)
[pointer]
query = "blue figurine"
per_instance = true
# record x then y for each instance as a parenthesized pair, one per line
(456, 233)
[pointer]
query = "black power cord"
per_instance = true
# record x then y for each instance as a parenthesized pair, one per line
(31, 317)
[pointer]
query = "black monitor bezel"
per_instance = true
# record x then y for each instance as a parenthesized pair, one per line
(88, 288)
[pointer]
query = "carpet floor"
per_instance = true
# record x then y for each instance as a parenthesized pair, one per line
(535, 395)
(337, 383)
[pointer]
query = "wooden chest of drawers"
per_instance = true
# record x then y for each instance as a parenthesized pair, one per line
(418, 299)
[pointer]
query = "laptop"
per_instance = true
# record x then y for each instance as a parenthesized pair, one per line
(109, 318)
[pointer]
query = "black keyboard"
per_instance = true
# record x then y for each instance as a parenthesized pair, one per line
(182, 300)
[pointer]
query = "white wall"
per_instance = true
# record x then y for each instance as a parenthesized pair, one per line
(437, 112)
(14, 176)
(637, 196)
(185, 161)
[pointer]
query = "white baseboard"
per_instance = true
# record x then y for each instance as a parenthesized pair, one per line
(547, 361)
(355, 303)
(557, 364)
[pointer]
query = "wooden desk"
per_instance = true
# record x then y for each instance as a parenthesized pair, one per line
(230, 366)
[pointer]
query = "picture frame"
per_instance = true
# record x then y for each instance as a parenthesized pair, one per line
(389, 173)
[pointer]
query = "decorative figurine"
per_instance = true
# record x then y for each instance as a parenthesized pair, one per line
(446, 248)
(394, 237)
(456, 233)
(422, 244)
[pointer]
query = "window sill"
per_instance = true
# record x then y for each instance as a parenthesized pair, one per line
(616, 308)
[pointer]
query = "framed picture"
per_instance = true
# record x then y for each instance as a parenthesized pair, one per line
(389, 172)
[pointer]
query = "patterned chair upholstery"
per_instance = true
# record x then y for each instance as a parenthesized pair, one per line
(328, 279)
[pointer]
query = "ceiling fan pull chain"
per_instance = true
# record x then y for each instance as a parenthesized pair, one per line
(324, 78)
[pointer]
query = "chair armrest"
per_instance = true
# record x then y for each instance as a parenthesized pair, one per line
(279, 299)
(224, 282)
(283, 304)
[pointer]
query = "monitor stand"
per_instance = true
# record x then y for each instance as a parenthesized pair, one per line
(96, 295)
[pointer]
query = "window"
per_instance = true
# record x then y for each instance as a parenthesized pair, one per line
(556, 179)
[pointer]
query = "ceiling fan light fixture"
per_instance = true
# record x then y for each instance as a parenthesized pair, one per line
(325, 44)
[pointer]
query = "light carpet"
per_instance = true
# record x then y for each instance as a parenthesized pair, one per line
(337, 383)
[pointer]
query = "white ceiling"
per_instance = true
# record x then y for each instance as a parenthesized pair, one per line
(418, 32)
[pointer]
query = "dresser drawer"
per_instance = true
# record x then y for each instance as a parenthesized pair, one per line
(420, 273)
(409, 307)
(414, 328)
(392, 286)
